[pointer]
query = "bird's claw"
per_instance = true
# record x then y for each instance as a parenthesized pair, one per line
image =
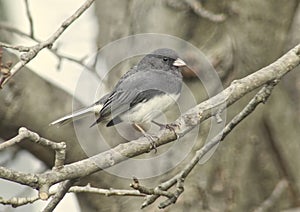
(170, 126)
(152, 139)
(161, 126)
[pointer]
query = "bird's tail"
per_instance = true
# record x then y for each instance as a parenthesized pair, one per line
(77, 115)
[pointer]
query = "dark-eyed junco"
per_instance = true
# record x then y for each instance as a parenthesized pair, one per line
(141, 94)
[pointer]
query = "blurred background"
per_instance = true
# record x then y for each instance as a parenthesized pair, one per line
(238, 37)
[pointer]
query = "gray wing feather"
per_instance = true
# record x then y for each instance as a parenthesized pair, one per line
(118, 103)
(128, 90)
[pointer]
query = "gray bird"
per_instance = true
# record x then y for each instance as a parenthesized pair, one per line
(141, 94)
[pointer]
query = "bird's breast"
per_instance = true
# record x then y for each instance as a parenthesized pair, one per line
(146, 111)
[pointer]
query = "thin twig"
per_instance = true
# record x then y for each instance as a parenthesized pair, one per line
(106, 192)
(54, 51)
(144, 190)
(60, 154)
(28, 56)
(24, 133)
(197, 7)
(15, 47)
(13, 141)
(29, 17)
(274, 197)
(61, 192)
(19, 201)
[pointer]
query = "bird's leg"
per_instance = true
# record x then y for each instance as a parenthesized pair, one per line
(166, 126)
(151, 138)
(161, 126)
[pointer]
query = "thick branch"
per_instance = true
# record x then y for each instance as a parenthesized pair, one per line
(184, 123)
(260, 97)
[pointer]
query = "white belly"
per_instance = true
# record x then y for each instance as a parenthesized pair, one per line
(145, 112)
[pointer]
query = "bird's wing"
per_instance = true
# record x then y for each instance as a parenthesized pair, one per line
(118, 103)
(144, 96)
(133, 88)
(101, 101)
(129, 91)
(139, 97)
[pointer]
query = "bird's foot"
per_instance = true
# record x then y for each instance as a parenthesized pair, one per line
(170, 126)
(152, 139)
(161, 126)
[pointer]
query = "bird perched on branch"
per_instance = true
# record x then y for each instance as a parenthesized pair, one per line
(140, 95)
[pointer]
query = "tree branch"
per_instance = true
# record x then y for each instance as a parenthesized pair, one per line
(29, 17)
(184, 124)
(15, 47)
(19, 201)
(274, 197)
(61, 192)
(260, 97)
(107, 192)
(34, 50)
(54, 51)
(149, 191)
(31, 179)
(59, 148)
(197, 7)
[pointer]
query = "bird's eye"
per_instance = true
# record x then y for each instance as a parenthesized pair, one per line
(165, 59)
